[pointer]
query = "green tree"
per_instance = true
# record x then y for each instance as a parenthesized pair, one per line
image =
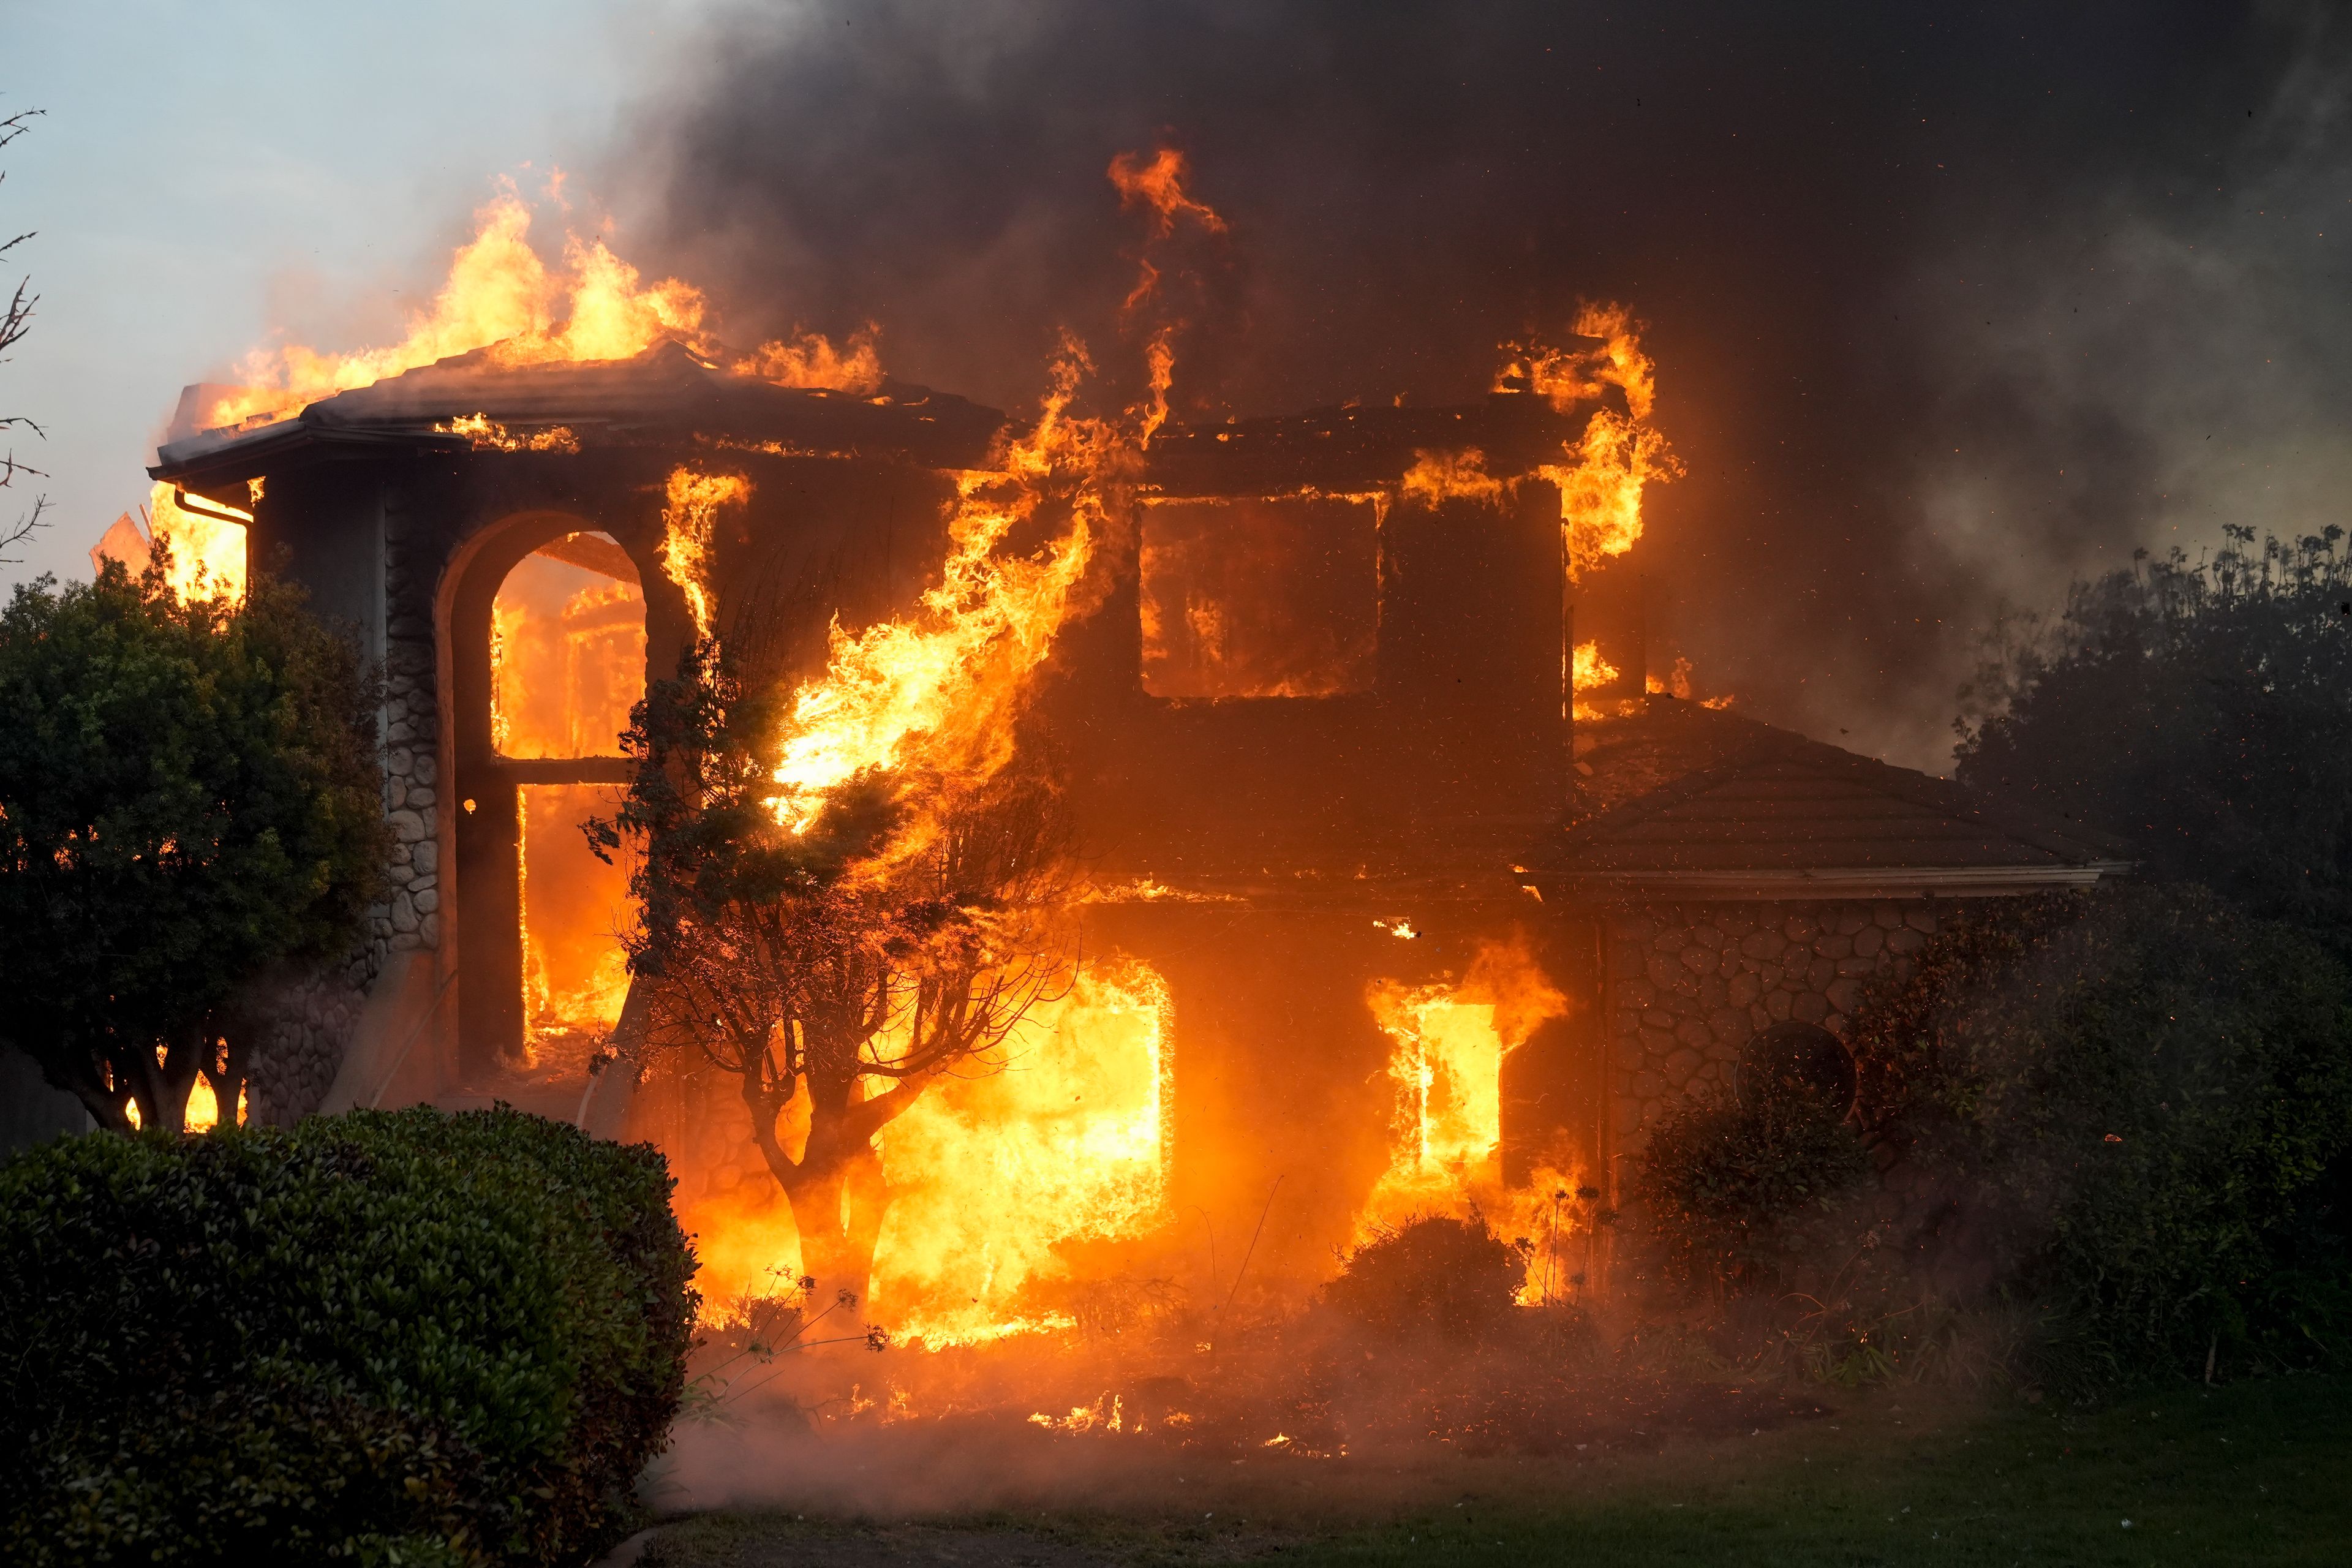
(904, 934)
(2140, 1101)
(189, 808)
(2204, 711)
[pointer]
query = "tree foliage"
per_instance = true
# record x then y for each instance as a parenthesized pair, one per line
(2204, 711)
(2139, 1097)
(189, 803)
(834, 973)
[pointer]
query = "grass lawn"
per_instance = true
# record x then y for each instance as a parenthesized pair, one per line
(2258, 1472)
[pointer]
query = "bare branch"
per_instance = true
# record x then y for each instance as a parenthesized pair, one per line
(15, 321)
(18, 317)
(12, 534)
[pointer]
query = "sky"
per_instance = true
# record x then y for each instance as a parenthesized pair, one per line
(1952, 304)
(208, 175)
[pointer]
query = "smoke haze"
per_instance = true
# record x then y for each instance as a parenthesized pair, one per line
(1948, 304)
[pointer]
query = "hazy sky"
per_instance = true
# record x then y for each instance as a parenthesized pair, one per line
(208, 173)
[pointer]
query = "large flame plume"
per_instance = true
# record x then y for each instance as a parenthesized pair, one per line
(1449, 1044)
(937, 689)
(207, 545)
(934, 694)
(501, 296)
(1059, 1140)
(690, 503)
(1602, 475)
(1600, 482)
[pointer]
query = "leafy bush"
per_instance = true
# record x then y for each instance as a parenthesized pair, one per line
(1723, 1182)
(1431, 1278)
(2134, 1101)
(190, 804)
(383, 1338)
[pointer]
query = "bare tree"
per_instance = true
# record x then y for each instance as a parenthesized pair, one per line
(834, 973)
(14, 326)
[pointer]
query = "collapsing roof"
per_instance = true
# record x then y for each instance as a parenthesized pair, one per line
(1682, 800)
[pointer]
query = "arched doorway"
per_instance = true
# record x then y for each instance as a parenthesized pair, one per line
(549, 655)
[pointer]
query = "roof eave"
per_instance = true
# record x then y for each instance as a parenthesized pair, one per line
(1783, 884)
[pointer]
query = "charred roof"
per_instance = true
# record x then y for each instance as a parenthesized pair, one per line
(665, 395)
(669, 395)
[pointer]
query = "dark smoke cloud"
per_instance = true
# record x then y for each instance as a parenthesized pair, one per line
(1903, 265)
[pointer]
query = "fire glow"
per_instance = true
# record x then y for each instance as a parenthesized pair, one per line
(1012, 1177)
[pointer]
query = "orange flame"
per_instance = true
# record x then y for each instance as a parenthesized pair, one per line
(1074, 1119)
(498, 292)
(1591, 669)
(1450, 1043)
(947, 680)
(207, 541)
(1570, 376)
(1676, 682)
(1451, 1040)
(1601, 492)
(1159, 361)
(1437, 477)
(486, 434)
(811, 360)
(1159, 186)
(689, 509)
(1601, 489)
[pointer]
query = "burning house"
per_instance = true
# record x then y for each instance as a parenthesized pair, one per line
(1406, 884)
(1379, 913)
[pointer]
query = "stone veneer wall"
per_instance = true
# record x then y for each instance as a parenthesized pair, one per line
(309, 1031)
(1689, 984)
(411, 917)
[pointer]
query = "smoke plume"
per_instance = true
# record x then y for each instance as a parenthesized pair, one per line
(1947, 302)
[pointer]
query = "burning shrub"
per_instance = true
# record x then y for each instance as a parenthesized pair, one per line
(381, 1338)
(1432, 1277)
(1725, 1182)
(2142, 1117)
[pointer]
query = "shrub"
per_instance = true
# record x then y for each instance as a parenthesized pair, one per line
(1724, 1181)
(191, 808)
(383, 1338)
(2139, 1097)
(1431, 1278)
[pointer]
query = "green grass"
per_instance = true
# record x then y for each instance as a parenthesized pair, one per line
(2256, 1473)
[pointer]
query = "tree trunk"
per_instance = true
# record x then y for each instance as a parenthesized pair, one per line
(838, 1211)
(160, 1088)
(838, 1189)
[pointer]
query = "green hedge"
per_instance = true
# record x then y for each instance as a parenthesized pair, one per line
(381, 1338)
